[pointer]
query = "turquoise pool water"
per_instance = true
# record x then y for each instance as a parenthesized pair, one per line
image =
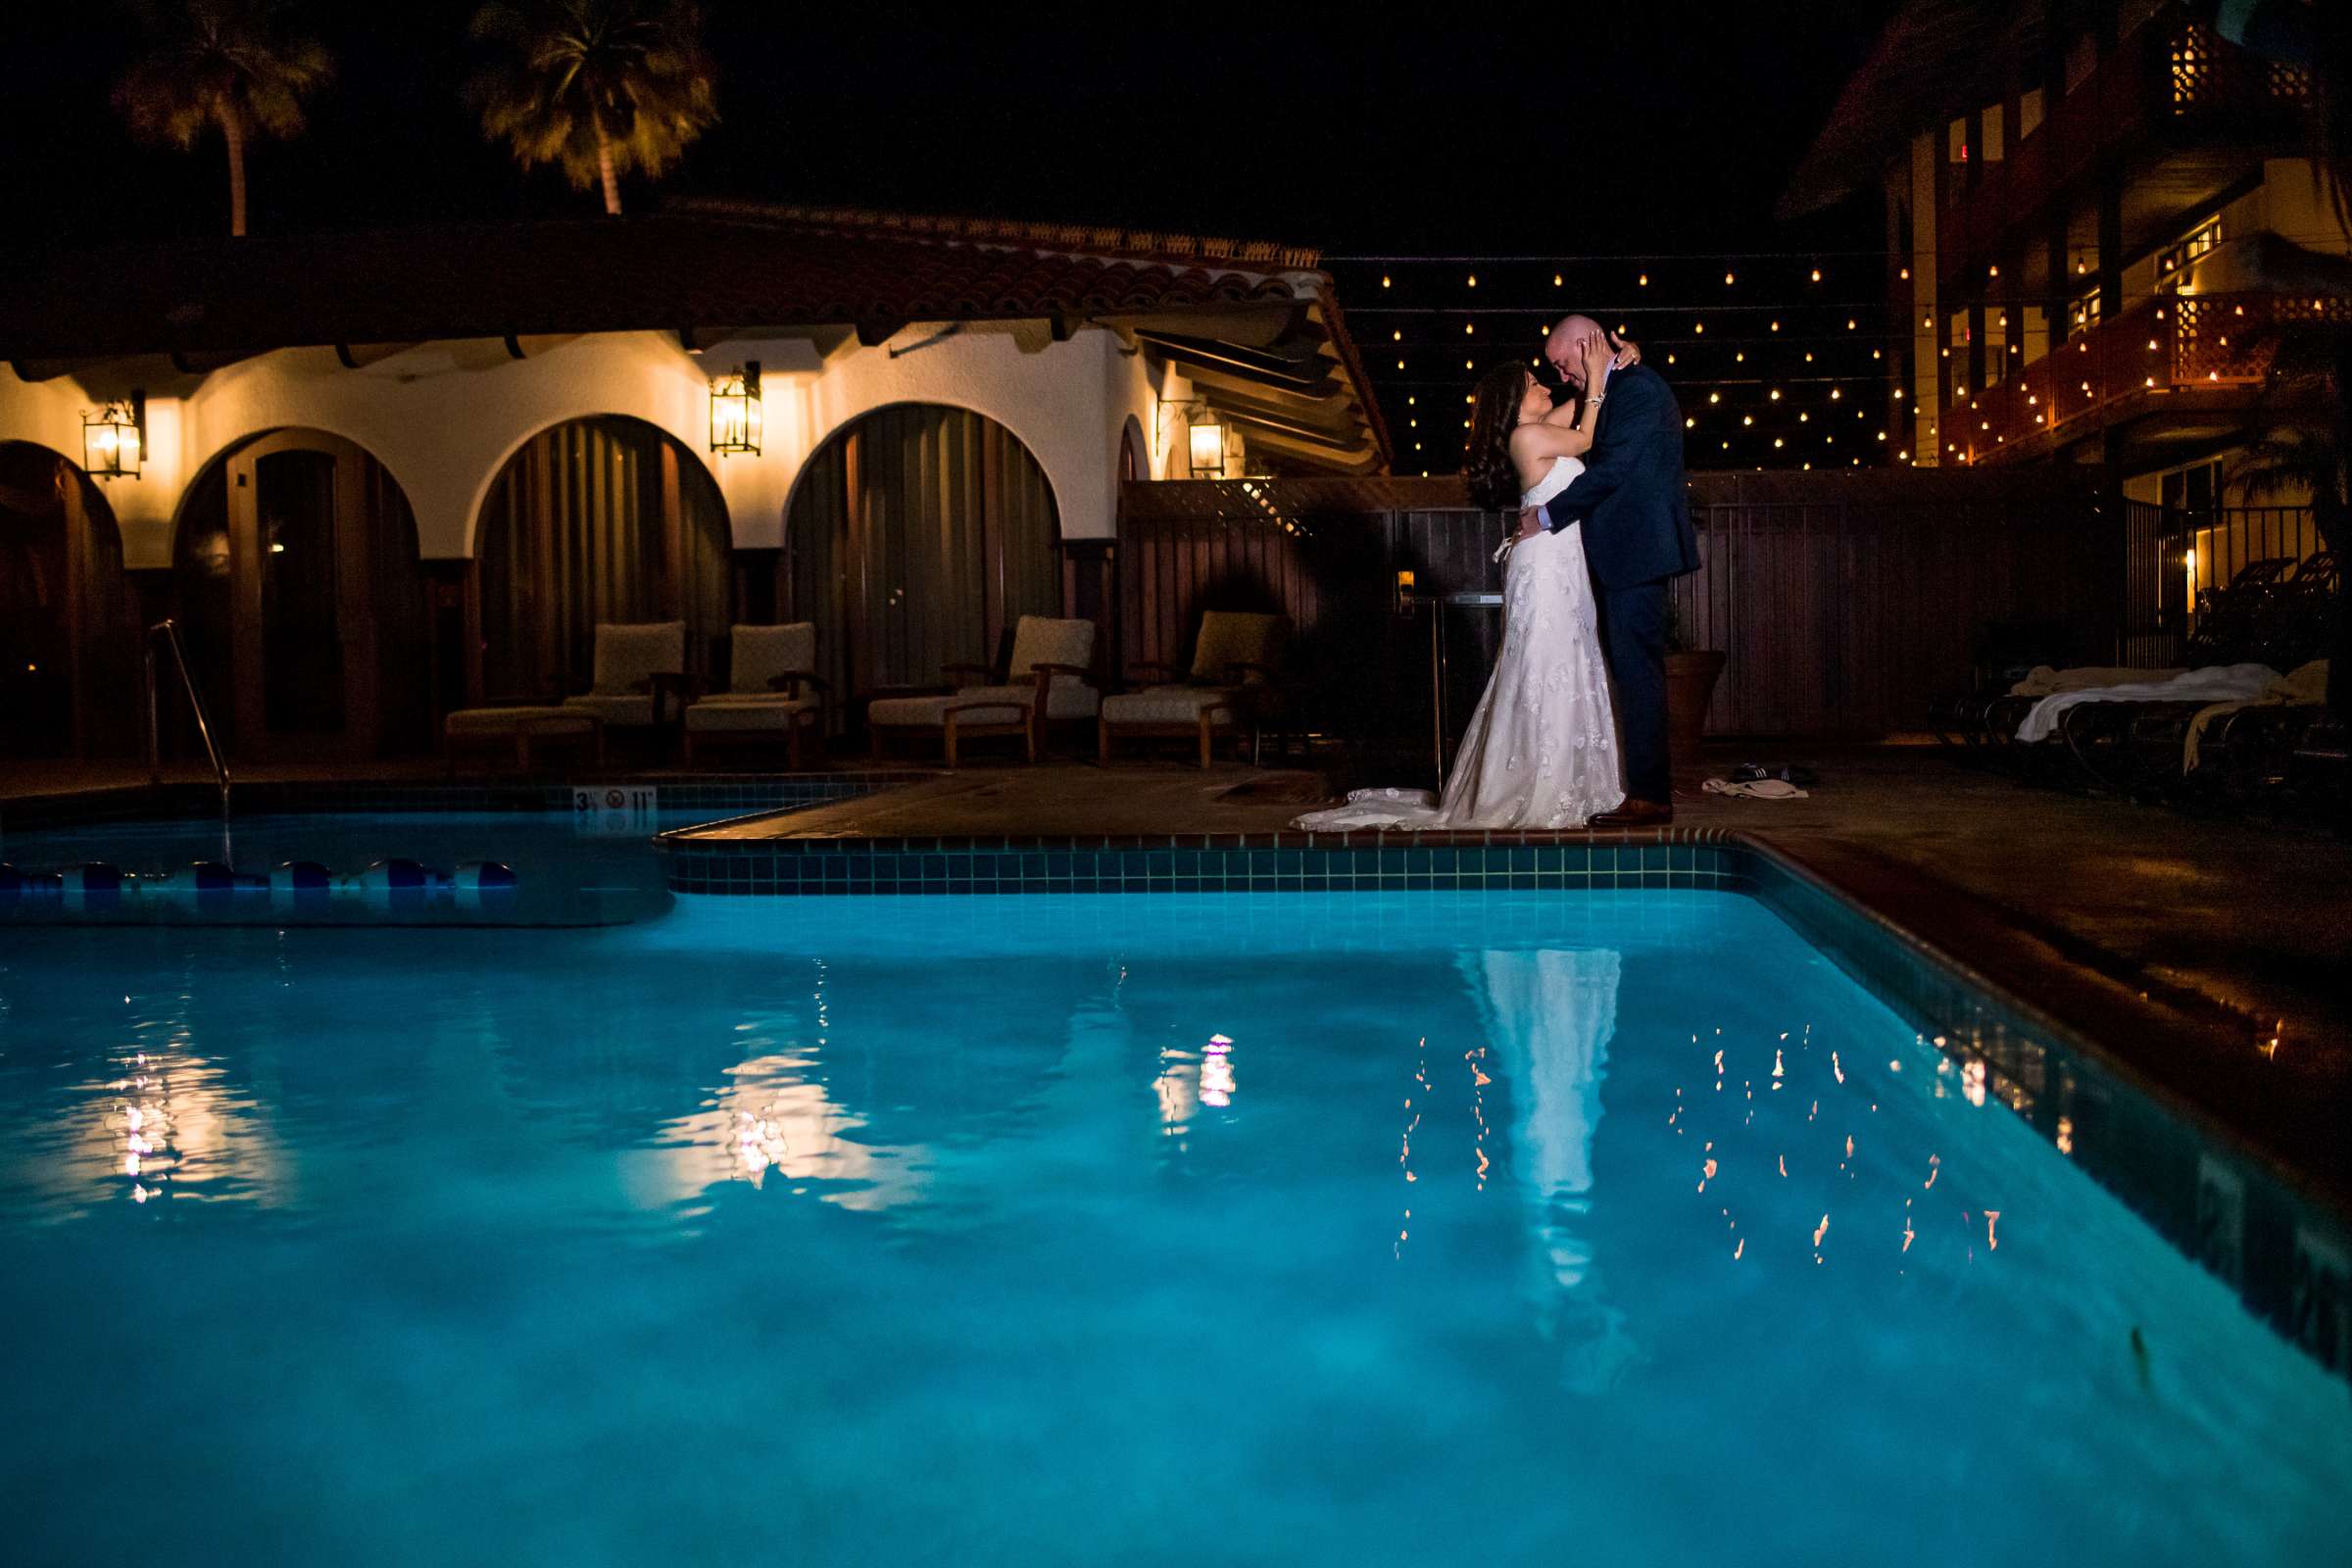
(1607, 1228)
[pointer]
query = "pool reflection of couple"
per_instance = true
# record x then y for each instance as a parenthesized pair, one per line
(1548, 1015)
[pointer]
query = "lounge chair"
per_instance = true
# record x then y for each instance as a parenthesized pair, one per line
(523, 725)
(640, 675)
(772, 689)
(1235, 657)
(1045, 681)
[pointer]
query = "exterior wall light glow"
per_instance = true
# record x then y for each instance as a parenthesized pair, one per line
(735, 411)
(1208, 446)
(114, 440)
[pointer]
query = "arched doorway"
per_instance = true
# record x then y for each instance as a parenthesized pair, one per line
(596, 520)
(69, 621)
(296, 574)
(916, 537)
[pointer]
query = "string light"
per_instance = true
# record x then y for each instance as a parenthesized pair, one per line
(1557, 280)
(1728, 280)
(1474, 281)
(1817, 274)
(1642, 280)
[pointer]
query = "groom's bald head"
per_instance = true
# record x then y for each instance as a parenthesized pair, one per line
(1565, 347)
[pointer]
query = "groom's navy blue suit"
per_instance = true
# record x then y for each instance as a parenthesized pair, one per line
(1634, 503)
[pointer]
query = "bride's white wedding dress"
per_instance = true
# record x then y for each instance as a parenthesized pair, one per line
(1541, 748)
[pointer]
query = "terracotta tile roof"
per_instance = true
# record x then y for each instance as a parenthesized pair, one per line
(666, 270)
(706, 270)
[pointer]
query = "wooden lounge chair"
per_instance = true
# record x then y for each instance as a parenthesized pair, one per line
(772, 689)
(521, 725)
(640, 675)
(1235, 659)
(1045, 680)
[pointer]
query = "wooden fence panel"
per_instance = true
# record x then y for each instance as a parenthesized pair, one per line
(1845, 601)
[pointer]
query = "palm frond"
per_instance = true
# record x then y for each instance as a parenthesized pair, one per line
(567, 70)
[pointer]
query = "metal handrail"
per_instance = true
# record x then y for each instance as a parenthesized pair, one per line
(169, 630)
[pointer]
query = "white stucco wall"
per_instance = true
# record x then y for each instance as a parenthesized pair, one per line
(444, 418)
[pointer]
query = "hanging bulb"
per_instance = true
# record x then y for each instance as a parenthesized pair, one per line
(1384, 281)
(1557, 280)
(1728, 280)
(1817, 274)
(1474, 281)
(1644, 280)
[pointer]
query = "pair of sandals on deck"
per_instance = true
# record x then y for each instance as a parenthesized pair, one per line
(1754, 782)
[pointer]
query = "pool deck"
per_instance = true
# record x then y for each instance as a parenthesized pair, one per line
(2182, 944)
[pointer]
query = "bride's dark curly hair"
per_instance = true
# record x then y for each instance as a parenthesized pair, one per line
(1487, 467)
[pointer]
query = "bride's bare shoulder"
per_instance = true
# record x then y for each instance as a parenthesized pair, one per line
(1534, 449)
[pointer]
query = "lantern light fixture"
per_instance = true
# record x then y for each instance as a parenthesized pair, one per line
(114, 439)
(735, 422)
(1206, 442)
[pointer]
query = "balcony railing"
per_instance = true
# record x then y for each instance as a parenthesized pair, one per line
(2170, 81)
(2174, 345)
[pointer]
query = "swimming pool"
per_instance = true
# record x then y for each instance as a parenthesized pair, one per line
(1610, 1226)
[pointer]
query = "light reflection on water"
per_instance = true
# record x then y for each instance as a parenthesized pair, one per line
(1543, 1218)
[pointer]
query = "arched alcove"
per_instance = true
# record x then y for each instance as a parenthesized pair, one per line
(68, 620)
(606, 519)
(302, 601)
(918, 535)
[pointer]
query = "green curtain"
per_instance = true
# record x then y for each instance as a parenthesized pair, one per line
(916, 538)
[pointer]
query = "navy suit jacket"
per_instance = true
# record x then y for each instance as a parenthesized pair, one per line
(1633, 498)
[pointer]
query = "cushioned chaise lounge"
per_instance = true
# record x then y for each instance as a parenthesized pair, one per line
(1046, 682)
(635, 665)
(1234, 659)
(772, 689)
(521, 726)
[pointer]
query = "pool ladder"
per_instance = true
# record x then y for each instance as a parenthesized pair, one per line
(167, 631)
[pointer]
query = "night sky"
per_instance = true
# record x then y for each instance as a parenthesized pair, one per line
(1660, 134)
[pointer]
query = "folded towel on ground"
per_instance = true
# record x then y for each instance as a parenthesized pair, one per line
(2222, 683)
(2042, 680)
(1761, 789)
(2305, 684)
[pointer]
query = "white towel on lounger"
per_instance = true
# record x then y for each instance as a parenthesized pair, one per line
(2222, 683)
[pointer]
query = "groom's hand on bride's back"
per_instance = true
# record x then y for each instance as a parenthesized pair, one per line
(1531, 521)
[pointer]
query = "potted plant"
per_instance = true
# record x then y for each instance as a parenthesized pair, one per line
(1690, 677)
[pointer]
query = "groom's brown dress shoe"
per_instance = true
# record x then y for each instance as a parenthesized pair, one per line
(1636, 814)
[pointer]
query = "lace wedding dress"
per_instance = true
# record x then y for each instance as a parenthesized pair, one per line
(1541, 748)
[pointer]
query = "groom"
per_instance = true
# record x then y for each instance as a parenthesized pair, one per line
(1632, 500)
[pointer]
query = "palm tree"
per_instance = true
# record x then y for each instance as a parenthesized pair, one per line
(602, 87)
(230, 64)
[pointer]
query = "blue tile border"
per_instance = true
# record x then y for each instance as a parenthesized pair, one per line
(2289, 1257)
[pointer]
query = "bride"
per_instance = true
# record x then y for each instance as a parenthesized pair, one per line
(1541, 748)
